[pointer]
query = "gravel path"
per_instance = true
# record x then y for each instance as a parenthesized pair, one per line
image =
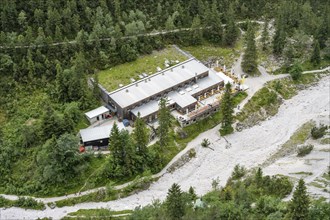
(249, 148)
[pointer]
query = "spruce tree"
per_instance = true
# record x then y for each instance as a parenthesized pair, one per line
(249, 63)
(265, 36)
(95, 84)
(115, 143)
(213, 26)
(141, 136)
(164, 119)
(175, 205)
(258, 177)
(197, 33)
(300, 202)
(192, 194)
(324, 29)
(128, 154)
(226, 109)
(279, 40)
(295, 71)
(316, 57)
(231, 31)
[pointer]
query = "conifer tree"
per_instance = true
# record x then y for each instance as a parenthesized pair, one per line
(265, 36)
(164, 119)
(192, 193)
(213, 26)
(128, 154)
(249, 63)
(300, 202)
(61, 88)
(115, 143)
(258, 177)
(227, 112)
(141, 136)
(295, 71)
(174, 202)
(169, 24)
(96, 89)
(197, 33)
(279, 40)
(231, 30)
(316, 57)
(324, 29)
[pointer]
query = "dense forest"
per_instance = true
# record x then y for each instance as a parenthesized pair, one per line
(48, 49)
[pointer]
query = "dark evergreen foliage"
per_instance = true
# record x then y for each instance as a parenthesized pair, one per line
(300, 202)
(227, 112)
(249, 62)
(164, 118)
(175, 205)
(316, 57)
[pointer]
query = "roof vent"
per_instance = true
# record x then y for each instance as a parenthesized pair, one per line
(171, 69)
(163, 73)
(145, 80)
(149, 79)
(136, 84)
(126, 90)
(182, 66)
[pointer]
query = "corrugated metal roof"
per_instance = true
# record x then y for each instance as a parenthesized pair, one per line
(98, 133)
(158, 82)
(96, 112)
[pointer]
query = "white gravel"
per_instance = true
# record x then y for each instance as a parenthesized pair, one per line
(249, 148)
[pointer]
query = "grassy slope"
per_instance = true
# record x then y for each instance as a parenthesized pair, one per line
(121, 74)
(205, 51)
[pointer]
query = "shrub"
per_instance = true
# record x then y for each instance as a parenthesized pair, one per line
(192, 153)
(29, 203)
(239, 172)
(277, 186)
(205, 142)
(318, 132)
(296, 71)
(304, 150)
(5, 202)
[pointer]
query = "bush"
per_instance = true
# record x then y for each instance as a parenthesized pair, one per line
(226, 130)
(205, 142)
(29, 203)
(296, 71)
(239, 172)
(304, 150)
(279, 186)
(5, 202)
(318, 132)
